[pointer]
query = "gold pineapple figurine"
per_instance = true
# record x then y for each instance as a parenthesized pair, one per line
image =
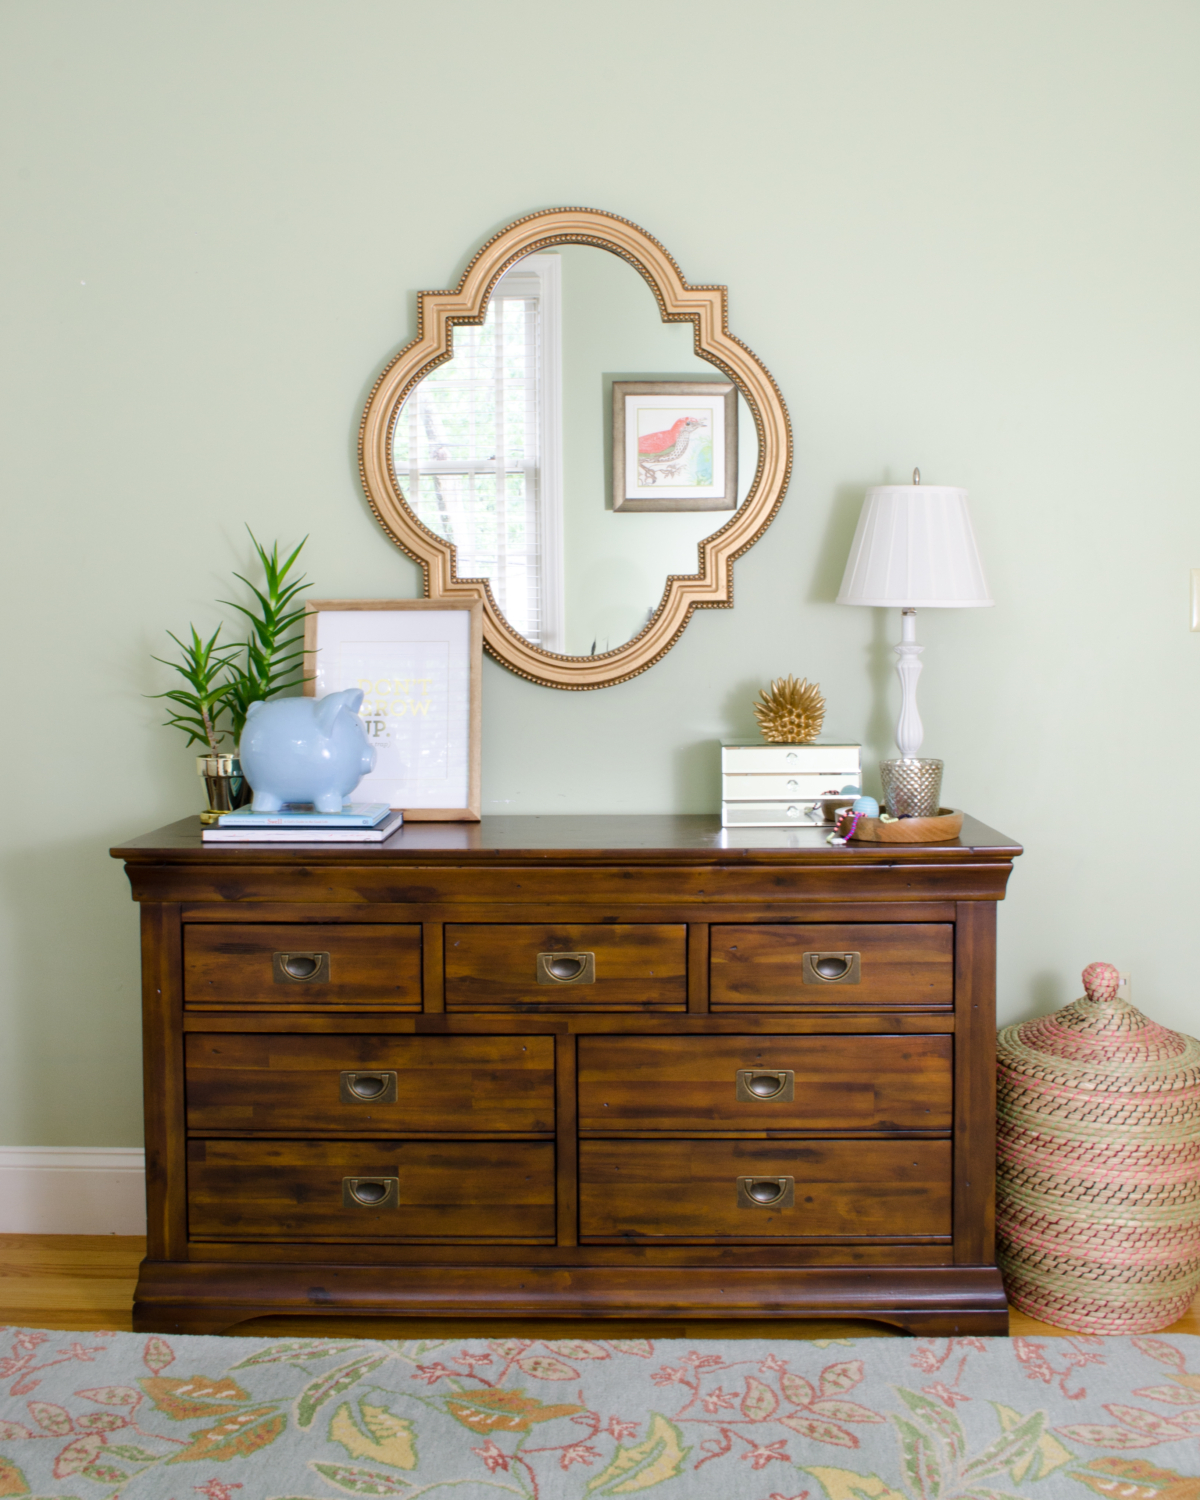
(791, 712)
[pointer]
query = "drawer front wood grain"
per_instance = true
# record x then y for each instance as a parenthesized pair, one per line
(293, 1190)
(369, 964)
(293, 1084)
(689, 1189)
(679, 1083)
(899, 965)
(495, 967)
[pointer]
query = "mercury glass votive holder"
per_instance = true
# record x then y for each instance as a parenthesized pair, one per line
(912, 786)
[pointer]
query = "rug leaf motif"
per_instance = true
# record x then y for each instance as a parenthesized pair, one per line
(392, 1439)
(491, 1411)
(198, 1397)
(235, 1436)
(296, 1349)
(760, 1402)
(577, 1349)
(1048, 1454)
(545, 1367)
(1137, 1479)
(353, 1480)
(940, 1418)
(659, 1456)
(157, 1354)
(314, 1395)
(12, 1481)
(845, 1484)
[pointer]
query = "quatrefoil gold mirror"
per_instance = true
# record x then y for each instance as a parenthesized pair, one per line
(575, 438)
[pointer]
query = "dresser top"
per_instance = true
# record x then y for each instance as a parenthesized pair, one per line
(687, 838)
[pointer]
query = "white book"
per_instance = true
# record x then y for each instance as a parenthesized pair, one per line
(376, 835)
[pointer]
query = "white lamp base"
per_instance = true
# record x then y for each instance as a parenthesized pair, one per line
(910, 732)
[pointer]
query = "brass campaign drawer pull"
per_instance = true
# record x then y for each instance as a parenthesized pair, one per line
(369, 1086)
(766, 1192)
(767, 1085)
(300, 968)
(370, 1192)
(833, 968)
(566, 968)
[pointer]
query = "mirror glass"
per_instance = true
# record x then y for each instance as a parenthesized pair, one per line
(506, 450)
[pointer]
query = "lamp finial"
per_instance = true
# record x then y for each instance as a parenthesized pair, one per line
(916, 476)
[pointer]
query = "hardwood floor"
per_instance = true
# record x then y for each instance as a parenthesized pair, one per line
(86, 1282)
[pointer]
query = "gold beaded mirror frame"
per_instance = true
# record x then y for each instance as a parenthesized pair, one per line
(711, 586)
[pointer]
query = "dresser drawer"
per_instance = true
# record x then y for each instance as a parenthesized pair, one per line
(375, 1085)
(296, 966)
(303, 1190)
(706, 1189)
(600, 967)
(810, 965)
(691, 1083)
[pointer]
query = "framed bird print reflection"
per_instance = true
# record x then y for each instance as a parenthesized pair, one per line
(674, 445)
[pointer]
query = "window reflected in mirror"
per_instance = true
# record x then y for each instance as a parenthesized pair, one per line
(476, 455)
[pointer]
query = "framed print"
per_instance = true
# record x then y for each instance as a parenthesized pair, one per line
(418, 663)
(674, 445)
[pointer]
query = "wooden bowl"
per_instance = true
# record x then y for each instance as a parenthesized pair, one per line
(946, 825)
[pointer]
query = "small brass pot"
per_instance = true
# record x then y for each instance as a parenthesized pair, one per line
(227, 787)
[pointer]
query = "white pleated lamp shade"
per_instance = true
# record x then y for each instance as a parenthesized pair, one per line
(915, 549)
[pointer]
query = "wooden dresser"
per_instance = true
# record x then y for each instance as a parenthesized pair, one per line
(570, 1066)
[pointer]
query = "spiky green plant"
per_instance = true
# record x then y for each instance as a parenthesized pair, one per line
(205, 701)
(274, 647)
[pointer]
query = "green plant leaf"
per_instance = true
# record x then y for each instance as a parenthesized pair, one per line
(205, 700)
(274, 645)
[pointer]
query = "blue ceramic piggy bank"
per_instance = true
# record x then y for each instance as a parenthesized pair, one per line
(305, 750)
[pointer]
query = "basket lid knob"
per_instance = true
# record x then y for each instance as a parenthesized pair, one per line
(1101, 982)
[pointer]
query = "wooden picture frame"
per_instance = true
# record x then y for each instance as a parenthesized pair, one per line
(669, 479)
(422, 684)
(679, 301)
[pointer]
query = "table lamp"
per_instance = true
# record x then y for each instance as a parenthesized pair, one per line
(914, 549)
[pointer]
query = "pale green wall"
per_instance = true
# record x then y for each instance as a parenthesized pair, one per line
(959, 234)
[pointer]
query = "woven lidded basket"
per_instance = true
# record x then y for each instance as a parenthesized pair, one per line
(1098, 1165)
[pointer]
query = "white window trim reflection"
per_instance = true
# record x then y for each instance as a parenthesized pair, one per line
(536, 278)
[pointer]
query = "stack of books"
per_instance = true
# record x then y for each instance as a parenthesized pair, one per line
(298, 823)
(787, 786)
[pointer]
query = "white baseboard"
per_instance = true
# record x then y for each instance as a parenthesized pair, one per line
(72, 1190)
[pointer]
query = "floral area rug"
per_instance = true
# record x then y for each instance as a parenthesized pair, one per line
(151, 1418)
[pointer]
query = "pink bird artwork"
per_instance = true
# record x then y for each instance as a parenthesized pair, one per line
(661, 454)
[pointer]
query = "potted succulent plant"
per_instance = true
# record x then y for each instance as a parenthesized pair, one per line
(221, 680)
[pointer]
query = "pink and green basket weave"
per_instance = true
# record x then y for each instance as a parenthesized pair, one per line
(1098, 1165)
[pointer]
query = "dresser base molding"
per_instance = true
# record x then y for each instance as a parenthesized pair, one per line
(175, 1297)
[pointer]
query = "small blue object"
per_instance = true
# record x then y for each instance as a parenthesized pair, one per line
(353, 815)
(867, 806)
(306, 750)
